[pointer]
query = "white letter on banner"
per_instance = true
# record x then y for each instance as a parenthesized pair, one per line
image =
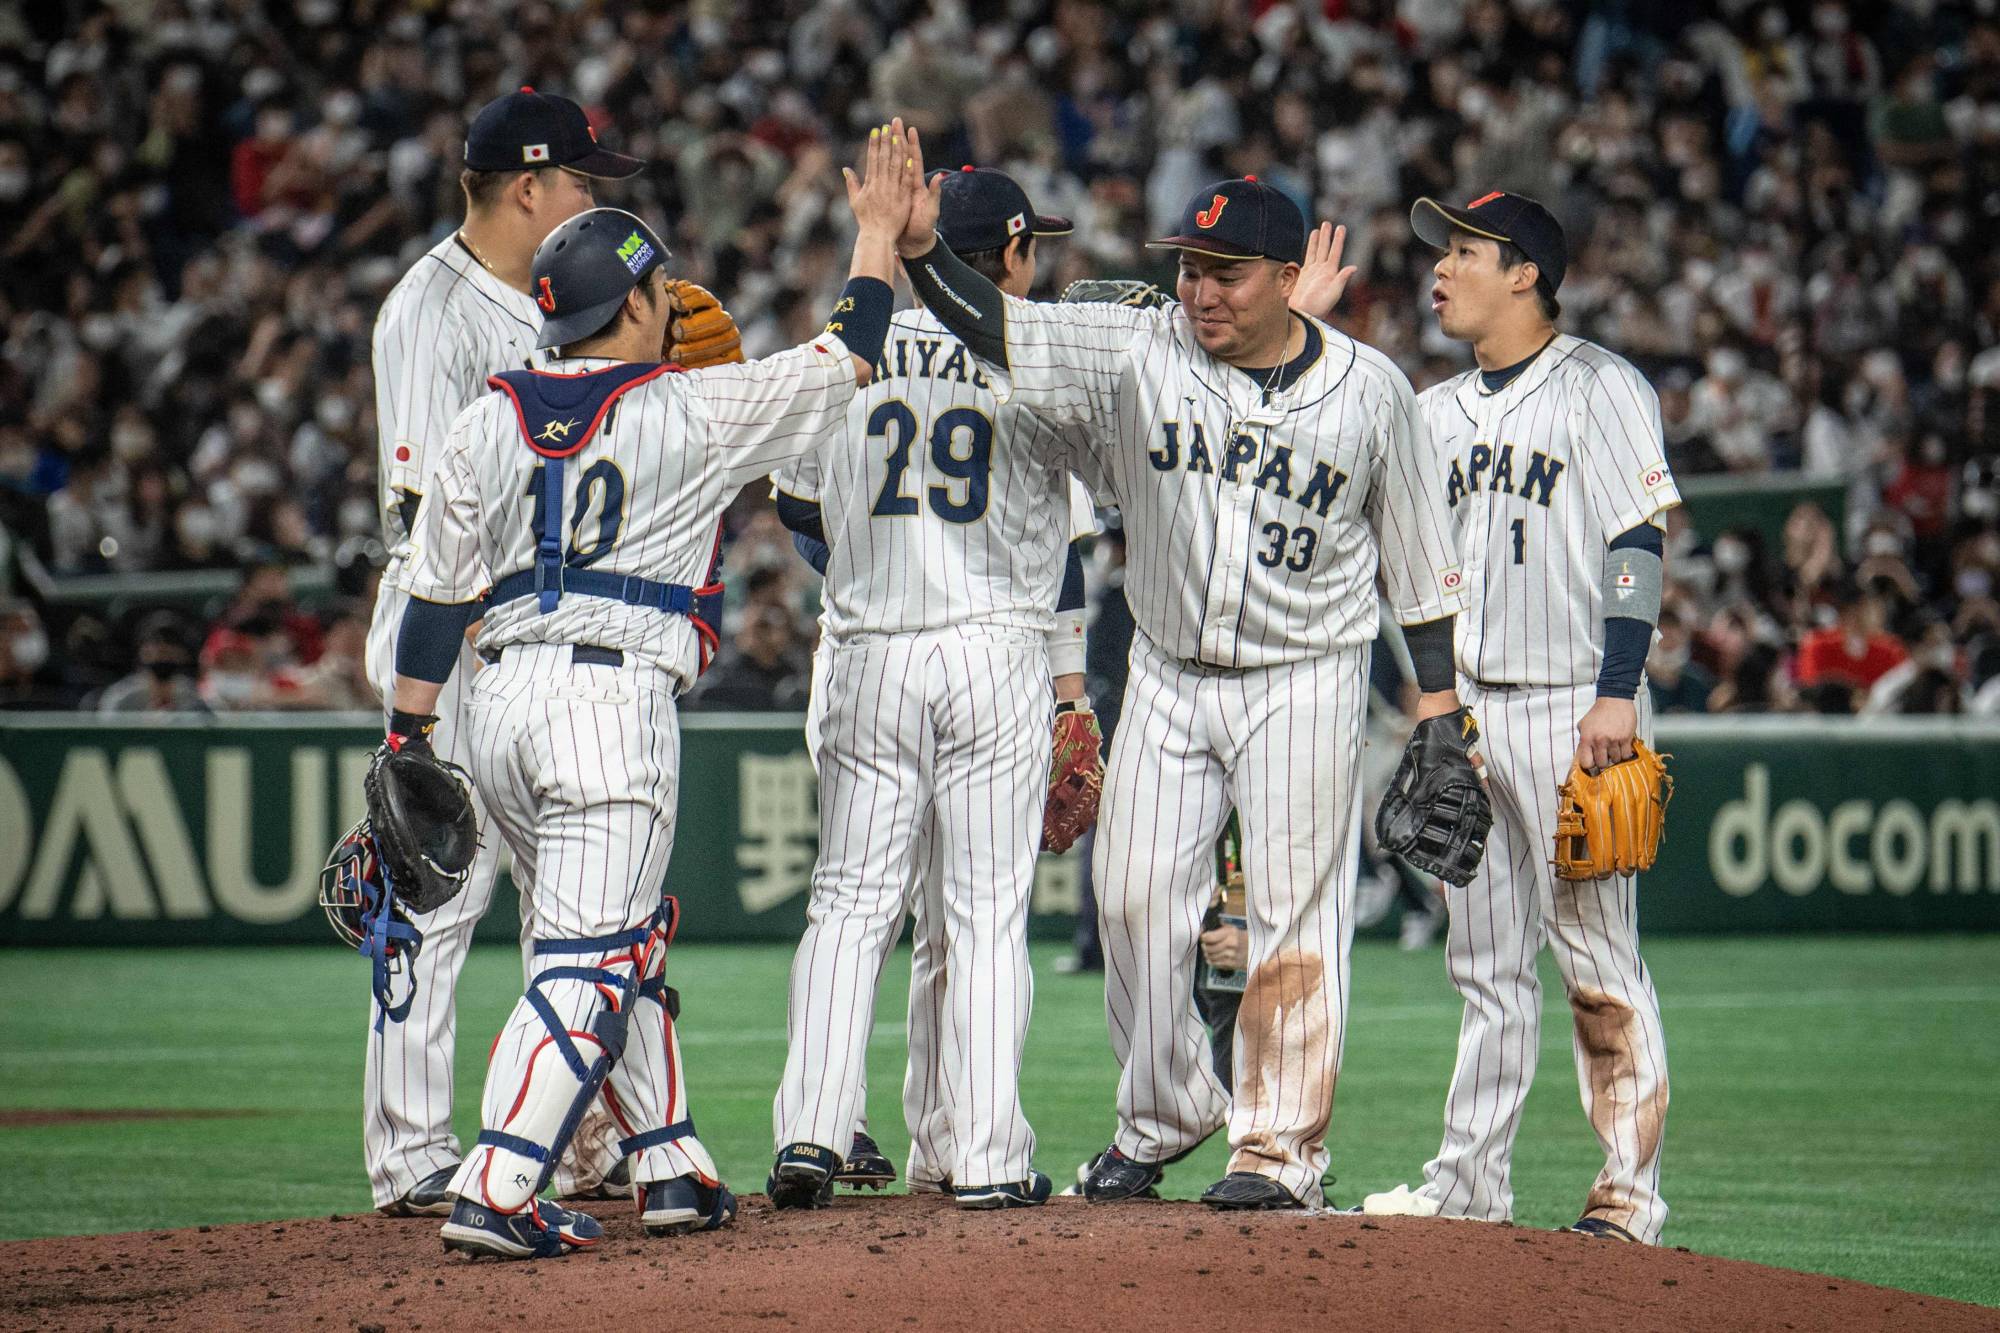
(1799, 875)
(86, 807)
(230, 810)
(1848, 821)
(156, 810)
(1898, 871)
(17, 834)
(1747, 818)
(1968, 828)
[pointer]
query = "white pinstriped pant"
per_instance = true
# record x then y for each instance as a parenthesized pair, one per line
(953, 725)
(407, 1083)
(1498, 924)
(580, 767)
(1283, 746)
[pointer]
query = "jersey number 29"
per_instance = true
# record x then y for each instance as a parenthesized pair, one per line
(969, 462)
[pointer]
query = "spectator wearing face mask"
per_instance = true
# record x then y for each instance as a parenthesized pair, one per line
(165, 679)
(1677, 682)
(26, 680)
(1853, 651)
(1927, 682)
(266, 597)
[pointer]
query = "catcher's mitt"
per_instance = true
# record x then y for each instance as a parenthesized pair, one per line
(1609, 822)
(701, 333)
(420, 813)
(1115, 291)
(1076, 778)
(1436, 814)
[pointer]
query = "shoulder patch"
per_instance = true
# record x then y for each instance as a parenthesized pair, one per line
(1655, 477)
(1452, 579)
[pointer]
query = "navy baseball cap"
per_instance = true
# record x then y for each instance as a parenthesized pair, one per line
(587, 267)
(983, 209)
(1240, 219)
(526, 130)
(1498, 216)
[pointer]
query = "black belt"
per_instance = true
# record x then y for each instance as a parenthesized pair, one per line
(581, 654)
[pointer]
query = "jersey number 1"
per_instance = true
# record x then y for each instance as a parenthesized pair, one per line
(1520, 539)
(895, 418)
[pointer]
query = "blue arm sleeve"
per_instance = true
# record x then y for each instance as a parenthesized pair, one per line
(430, 636)
(1627, 639)
(1430, 645)
(816, 553)
(801, 516)
(1071, 596)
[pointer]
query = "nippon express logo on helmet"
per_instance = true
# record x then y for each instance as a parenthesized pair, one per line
(636, 251)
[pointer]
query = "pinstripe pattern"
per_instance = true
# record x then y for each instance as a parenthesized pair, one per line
(1528, 658)
(1282, 745)
(580, 766)
(950, 727)
(443, 329)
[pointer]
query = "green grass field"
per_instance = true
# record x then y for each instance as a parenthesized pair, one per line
(1836, 1101)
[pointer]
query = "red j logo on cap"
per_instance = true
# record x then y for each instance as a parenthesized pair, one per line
(547, 299)
(1211, 215)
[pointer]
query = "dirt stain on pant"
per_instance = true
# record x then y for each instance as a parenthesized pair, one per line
(1607, 1032)
(1282, 1034)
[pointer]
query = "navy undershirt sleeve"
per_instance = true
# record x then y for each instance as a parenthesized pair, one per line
(1627, 640)
(801, 516)
(1070, 598)
(815, 552)
(430, 636)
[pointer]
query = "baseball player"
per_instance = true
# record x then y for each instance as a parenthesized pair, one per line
(585, 502)
(1268, 469)
(1551, 455)
(948, 523)
(463, 312)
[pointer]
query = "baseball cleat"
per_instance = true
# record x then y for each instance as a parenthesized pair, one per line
(866, 1166)
(1112, 1177)
(1602, 1229)
(802, 1177)
(616, 1185)
(921, 1185)
(683, 1204)
(426, 1198)
(1017, 1194)
(1401, 1201)
(1248, 1190)
(542, 1230)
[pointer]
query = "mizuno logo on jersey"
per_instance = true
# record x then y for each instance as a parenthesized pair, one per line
(1493, 470)
(1322, 486)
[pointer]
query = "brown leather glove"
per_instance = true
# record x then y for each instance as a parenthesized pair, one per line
(1076, 778)
(1610, 822)
(701, 333)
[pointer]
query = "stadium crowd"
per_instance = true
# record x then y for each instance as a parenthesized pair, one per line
(1781, 212)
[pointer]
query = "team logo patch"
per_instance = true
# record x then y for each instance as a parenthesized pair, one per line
(636, 251)
(1211, 215)
(534, 152)
(1451, 580)
(546, 299)
(1656, 477)
(556, 432)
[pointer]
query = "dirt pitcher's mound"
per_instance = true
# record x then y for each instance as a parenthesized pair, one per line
(918, 1263)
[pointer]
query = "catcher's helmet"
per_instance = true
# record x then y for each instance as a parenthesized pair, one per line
(365, 913)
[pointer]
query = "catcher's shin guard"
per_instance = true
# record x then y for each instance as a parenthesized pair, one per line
(562, 1070)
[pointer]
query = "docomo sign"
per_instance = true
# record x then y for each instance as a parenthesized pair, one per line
(1857, 847)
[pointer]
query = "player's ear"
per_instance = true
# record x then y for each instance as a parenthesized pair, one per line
(523, 189)
(1288, 278)
(1524, 277)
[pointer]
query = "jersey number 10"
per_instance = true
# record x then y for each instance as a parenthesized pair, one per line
(611, 513)
(895, 419)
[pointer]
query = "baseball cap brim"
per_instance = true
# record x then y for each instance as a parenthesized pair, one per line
(1052, 226)
(606, 165)
(1201, 245)
(1434, 223)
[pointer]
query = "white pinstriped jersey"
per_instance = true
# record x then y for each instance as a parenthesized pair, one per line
(1540, 476)
(446, 325)
(1256, 528)
(941, 506)
(642, 498)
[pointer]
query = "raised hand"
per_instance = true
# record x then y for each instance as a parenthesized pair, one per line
(1322, 281)
(880, 196)
(920, 231)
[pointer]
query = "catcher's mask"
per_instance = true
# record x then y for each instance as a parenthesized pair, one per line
(359, 903)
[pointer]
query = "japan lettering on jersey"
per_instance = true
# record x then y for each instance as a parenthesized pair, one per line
(1256, 527)
(643, 495)
(446, 326)
(1540, 476)
(941, 506)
